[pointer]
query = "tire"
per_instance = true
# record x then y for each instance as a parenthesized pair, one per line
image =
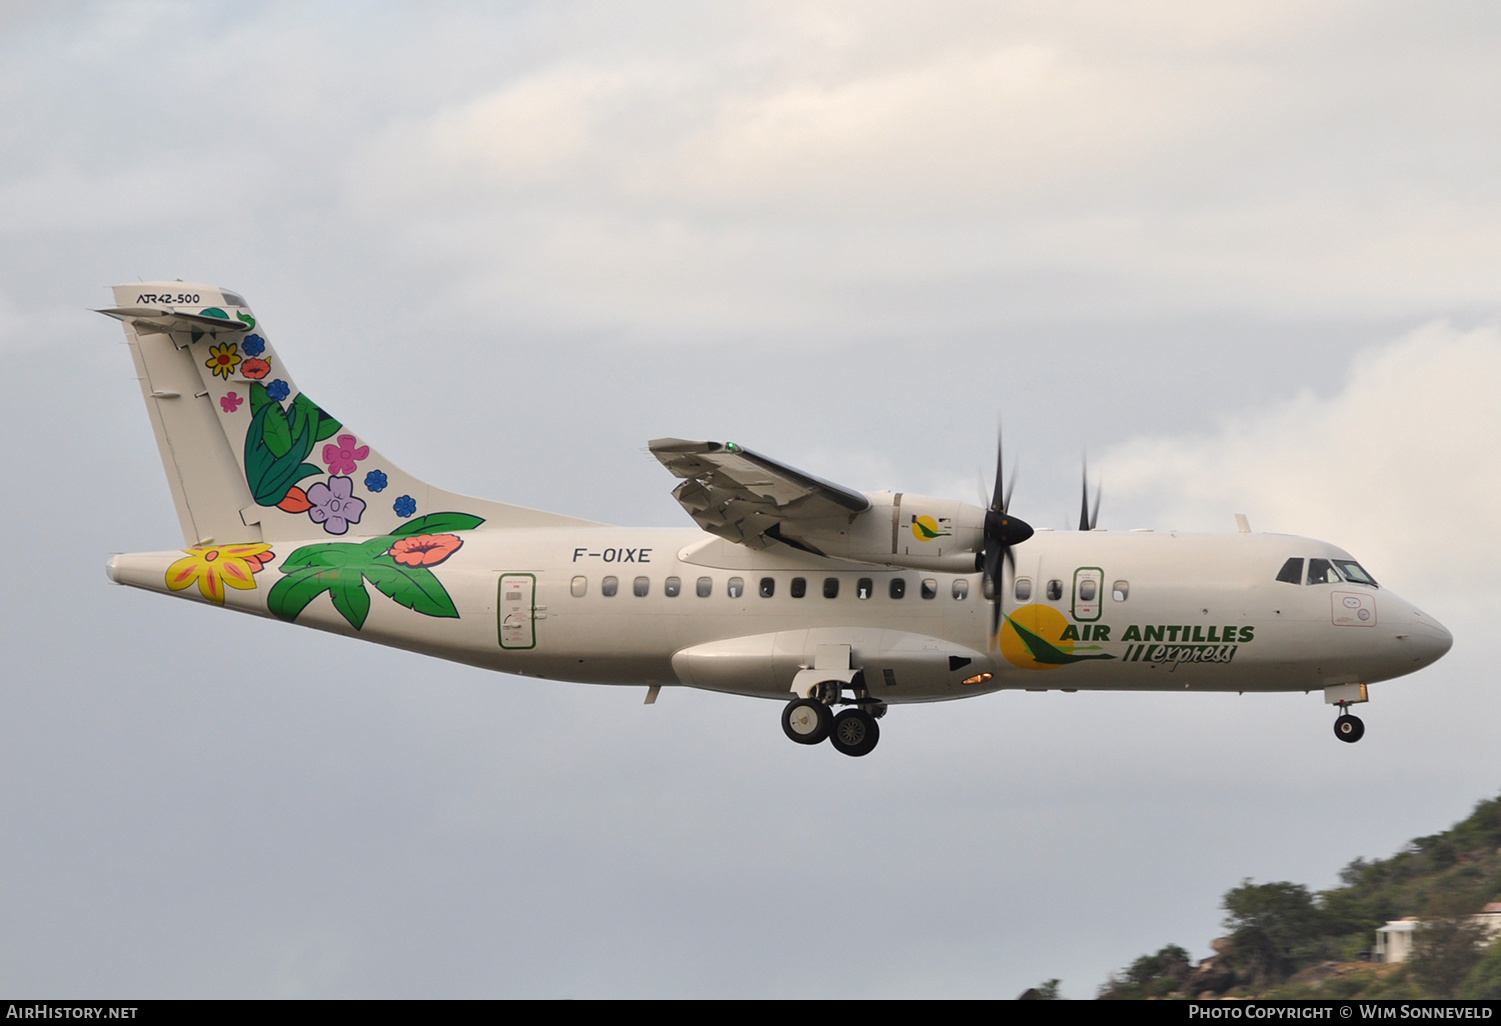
(806, 721)
(854, 732)
(1349, 729)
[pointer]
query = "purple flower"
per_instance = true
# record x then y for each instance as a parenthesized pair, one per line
(375, 481)
(334, 506)
(405, 506)
(254, 345)
(277, 390)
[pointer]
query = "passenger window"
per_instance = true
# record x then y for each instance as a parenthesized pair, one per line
(1055, 591)
(641, 586)
(1120, 591)
(1023, 589)
(672, 587)
(1292, 571)
(705, 587)
(831, 587)
(864, 587)
(1321, 571)
(898, 587)
(929, 588)
(580, 587)
(768, 587)
(961, 588)
(799, 587)
(736, 587)
(1088, 588)
(609, 586)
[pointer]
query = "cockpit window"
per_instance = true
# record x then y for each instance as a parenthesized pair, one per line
(1321, 571)
(1353, 571)
(1292, 571)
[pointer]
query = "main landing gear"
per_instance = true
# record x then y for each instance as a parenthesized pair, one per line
(854, 731)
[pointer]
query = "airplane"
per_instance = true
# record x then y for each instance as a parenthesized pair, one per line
(838, 602)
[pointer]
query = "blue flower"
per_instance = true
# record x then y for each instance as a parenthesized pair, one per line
(405, 506)
(253, 345)
(278, 390)
(375, 481)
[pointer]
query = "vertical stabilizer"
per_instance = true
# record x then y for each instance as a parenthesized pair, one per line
(249, 457)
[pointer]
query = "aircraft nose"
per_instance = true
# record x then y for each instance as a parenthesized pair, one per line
(1430, 638)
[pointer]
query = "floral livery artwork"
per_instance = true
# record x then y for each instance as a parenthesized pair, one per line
(397, 565)
(216, 566)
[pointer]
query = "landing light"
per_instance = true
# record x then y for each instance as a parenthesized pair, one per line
(979, 678)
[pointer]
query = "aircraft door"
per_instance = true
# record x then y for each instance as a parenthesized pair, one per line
(1089, 583)
(517, 611)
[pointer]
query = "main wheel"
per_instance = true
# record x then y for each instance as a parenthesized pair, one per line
(1349, 728)
(855, 732)
(806, 721)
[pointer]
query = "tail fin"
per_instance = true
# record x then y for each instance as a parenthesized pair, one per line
(248, 456)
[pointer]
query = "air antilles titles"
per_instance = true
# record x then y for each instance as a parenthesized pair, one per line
(1040, 638)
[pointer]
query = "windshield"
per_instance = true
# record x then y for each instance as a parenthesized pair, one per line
(1353, 571)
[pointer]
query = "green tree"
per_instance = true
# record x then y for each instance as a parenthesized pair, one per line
(1445, 952)
(1276, 928)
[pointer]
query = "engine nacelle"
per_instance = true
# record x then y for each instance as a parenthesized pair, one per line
(918, 531)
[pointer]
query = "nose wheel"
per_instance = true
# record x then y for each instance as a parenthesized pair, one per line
(1349, 729)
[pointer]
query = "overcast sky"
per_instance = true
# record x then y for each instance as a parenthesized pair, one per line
(1246, 255)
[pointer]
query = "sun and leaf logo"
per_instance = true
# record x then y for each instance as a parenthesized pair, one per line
(925, 528)
(1026, 640)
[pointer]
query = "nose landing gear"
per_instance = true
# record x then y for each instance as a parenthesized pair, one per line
(1348, 728)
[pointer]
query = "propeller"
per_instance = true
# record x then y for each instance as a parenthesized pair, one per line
(1088, 518)
(1002, 532)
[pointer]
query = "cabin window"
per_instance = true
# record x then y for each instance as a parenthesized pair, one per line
(672, 587)
(1055, 591)
(1292, 571)
(641, 586)
(799, 587)
(961, 588)
(1321, 571)
(1088, 589)
(898, 587)
(831, 587)
(1023, 589)
(929, 588)
(609, 586)
(580, 587)
(768, 587)
(1353, 571)
(736, 587)
(864, 588)
(1120, 590)
(705, 587)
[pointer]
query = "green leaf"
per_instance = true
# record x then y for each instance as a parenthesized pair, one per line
(330, 554)
(214, 311)
(276, 432)
(349, 595)
(415, 587)
(327, 425)
(439, 523)
(290, 595)
(249, 321)
(259, 397)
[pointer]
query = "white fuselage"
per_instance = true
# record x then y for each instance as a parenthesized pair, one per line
(1203, 612)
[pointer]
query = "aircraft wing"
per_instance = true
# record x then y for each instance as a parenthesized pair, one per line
(746, 497)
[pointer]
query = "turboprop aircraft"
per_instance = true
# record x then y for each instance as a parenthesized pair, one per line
(792, 588)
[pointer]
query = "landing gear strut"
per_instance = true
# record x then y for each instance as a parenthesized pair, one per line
(1347, 728)
(852, 732)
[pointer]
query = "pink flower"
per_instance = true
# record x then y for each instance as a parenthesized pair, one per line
(341, 458)
(230, 403)
(425, 549)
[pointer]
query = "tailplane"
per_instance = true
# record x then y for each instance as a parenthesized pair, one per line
(249, 457)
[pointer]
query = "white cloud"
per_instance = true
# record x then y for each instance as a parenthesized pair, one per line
(1398, 466)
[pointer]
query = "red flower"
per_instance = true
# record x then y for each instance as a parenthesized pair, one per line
(255, 369)
(425, 549)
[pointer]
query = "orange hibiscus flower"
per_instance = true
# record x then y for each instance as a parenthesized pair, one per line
(425, 549)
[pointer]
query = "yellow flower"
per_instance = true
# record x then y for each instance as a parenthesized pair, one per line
(223, 360)
(217, 566)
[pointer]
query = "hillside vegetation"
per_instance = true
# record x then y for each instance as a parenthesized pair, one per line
(1287, 942)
